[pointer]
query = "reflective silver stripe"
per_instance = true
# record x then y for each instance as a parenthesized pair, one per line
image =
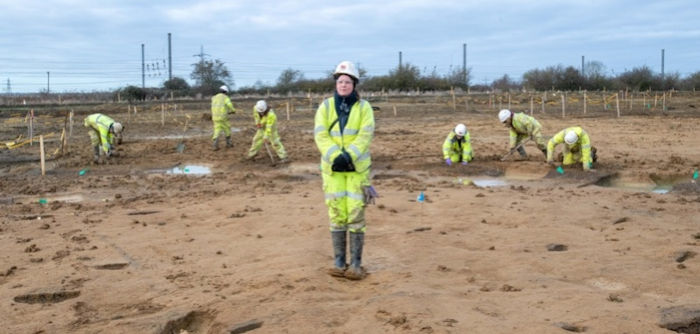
(364, 156)
(355, 196)
(341, 194)
(319, 129)
(586, 146)
(331, 196)
(326, 103)
(335, 133)
(350, 132)
(362, 103)
(368, 128)
(355, 149)
(330, 152)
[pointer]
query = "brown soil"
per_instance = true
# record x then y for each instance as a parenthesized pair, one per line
(127, 248)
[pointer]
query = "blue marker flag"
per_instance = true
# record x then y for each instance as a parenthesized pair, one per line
(560, 170)
(421, 197)
(695, 175)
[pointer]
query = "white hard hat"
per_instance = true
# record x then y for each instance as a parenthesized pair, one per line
(460, 129)
(261, 106)
(570, 137)
(117, 127)
(347, 67)
(223, 88)
(503, 115)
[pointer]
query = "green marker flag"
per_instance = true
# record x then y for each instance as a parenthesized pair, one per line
(695, 175)
(560, 170)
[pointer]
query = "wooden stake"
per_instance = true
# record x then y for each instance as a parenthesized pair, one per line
(532, 104)
(70, 120)
(287, 110)
(563, 105)
(162, 114)
(394, 110)
(454, 99)
(617, 102)
(63, 141)
(508, 101)
(631, 100)
(584, 102)
(41, 150)
(663, 106)
(544, 97)
(31, 127)
(466, 104)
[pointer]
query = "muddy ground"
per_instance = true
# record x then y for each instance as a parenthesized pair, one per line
(497, 247)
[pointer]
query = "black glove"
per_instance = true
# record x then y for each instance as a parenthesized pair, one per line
(343, 163)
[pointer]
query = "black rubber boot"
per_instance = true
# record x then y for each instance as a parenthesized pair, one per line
(215, 144)
(96, 154)
(228, 142)
(339, 246)
(594, 154)
(355, 271)
(521, 150)
(544, 151)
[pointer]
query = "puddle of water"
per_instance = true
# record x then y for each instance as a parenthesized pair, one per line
(637, 186)
(66, 198)
(662, 189)
(189, 170)
(488, 183)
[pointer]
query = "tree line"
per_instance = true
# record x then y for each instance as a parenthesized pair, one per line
(209, 75)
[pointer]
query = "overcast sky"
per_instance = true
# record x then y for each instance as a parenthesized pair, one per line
(96, 45)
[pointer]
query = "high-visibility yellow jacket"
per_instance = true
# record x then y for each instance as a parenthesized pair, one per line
(220, 106)
(583, 144)
(267, 123)
(522, 124)
(101, 124)
(453, 146)
(355, 138)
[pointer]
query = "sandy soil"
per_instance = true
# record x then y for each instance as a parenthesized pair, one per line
(497, 247)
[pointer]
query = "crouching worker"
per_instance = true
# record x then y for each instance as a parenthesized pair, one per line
(457, 146)
(266, 123)
(577, 148)
(343, 131)
(104, 133)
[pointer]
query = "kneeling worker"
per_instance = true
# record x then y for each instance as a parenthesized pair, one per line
(266, 122)
(104, 132)
(577, 147)
(457, 146)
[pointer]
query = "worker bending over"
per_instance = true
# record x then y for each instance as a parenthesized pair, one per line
(266, 123)
(104, 133)
(522, 126)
